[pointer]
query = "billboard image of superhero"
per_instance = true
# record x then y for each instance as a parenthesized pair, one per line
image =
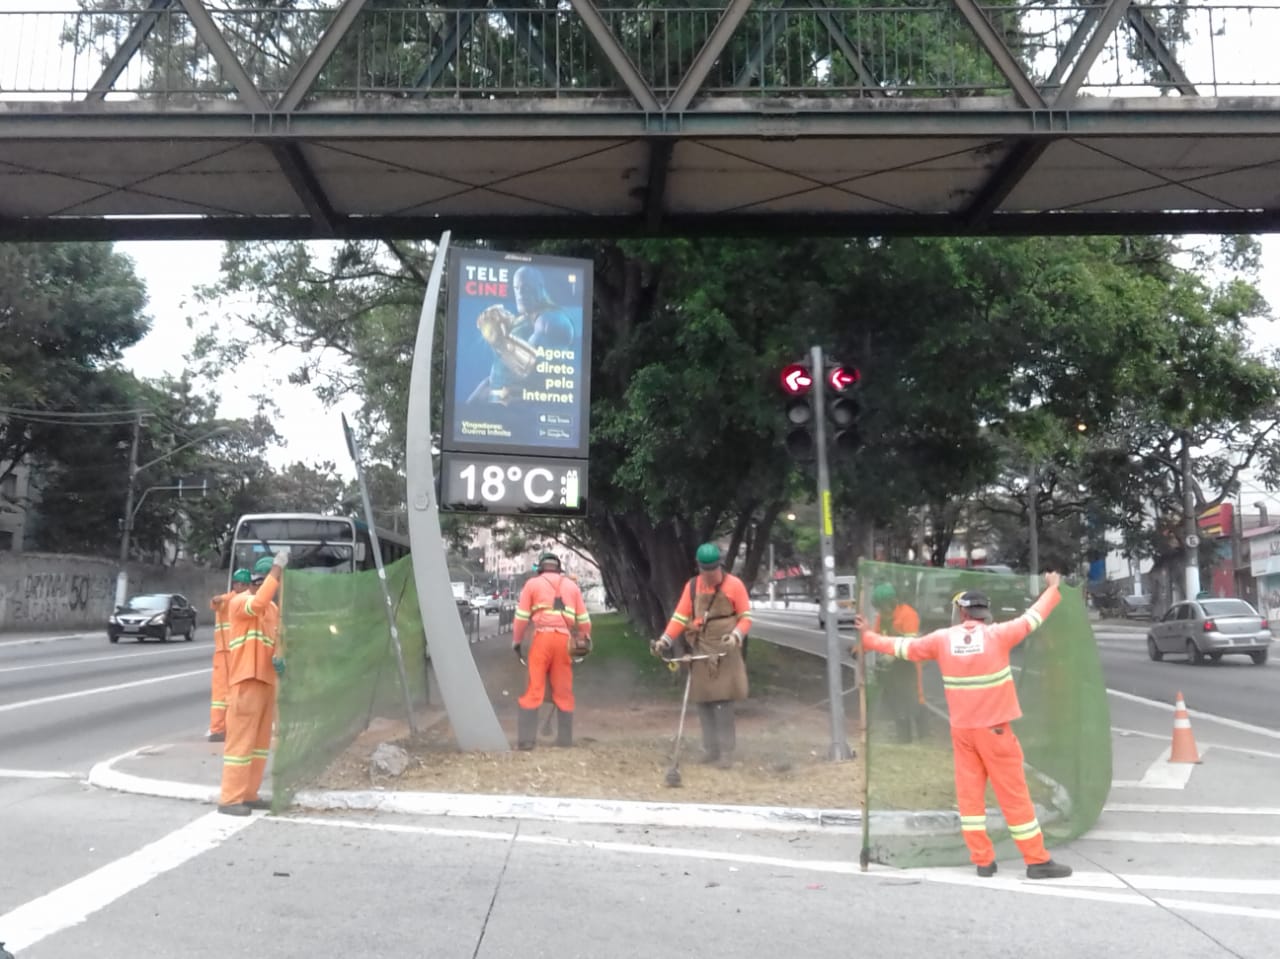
(519, 357)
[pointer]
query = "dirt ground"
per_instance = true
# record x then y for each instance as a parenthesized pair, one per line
(625, 724)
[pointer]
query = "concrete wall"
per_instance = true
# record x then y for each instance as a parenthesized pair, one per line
(47, 591)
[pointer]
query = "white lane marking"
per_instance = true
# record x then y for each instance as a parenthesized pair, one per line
(38, 640)
(202, 648)
(61, 697)
(1096, 887)
(34, 774)
(1178, 838)
(1196, 714)
(73, 903)
(1164, 737)
(1163, 774)
(1158, 808)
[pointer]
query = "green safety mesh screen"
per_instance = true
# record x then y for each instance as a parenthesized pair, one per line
(1065, 729)
(341, 669)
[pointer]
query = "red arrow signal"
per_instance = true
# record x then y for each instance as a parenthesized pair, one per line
(796, 379)
(841, 379)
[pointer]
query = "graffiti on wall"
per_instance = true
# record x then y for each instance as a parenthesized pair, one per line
(51, 597)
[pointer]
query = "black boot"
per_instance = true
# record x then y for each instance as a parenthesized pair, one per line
(989, 870)
(527, 729)
(710, 733)
(1048, 870)
(564, 729)
(727, 732)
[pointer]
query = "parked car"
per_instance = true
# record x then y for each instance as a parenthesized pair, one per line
(846, 605)
(1210, 629)
(489, 604)
(1136, 607)
(153, 616)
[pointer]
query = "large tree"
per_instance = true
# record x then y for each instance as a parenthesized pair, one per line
(67, 313)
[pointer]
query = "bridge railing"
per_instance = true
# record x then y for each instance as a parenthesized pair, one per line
(777, 49)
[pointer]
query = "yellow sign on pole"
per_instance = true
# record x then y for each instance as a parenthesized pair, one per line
(826, 513)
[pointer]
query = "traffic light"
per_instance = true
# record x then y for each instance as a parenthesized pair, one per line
(797, 383)
(843, 409)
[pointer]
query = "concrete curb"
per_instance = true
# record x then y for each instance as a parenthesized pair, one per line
(103, 775)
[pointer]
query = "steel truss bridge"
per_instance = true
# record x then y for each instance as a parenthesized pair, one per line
(179, 118)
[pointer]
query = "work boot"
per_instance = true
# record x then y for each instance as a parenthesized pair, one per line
(1048, 870)
(215, 737)
(258, 803)
(710, 733)
(527, 729)
(987, 871)
(564, 729)
(727, 732)
(235, 809)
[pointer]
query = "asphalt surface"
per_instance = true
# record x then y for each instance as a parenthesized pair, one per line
(1174, 874)
(66, 704)
(1233, 688)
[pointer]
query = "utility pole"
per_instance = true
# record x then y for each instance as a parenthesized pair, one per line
(122, 578)
(839, 748)
(1033, 523)
(772, 581)
(1192, 537)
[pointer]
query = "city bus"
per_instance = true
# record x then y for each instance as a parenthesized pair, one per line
(317, 543)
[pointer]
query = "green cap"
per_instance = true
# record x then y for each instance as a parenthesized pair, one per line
(263, 566)
(548, 557)
(708, 556)
(883, 594)
(241, 576)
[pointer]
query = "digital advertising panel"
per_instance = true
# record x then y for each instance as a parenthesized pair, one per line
(518, 354)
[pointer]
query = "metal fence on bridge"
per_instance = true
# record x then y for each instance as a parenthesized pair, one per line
(165, 54)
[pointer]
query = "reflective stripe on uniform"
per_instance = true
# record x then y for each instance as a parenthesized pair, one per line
(973, 823)
(682, 620)
(236, 760)
(978, 682)
(521, 614)
(217, 704)
(1027, 830)
(1034, 618)
(901, 645)
(261, 753)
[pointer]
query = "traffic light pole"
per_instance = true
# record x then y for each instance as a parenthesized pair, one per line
(839, 748)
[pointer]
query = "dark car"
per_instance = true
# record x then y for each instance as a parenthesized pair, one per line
(153, 616)
(1136, 607)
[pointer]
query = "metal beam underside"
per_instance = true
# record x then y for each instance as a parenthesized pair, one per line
(655, 193)
(1258, 118)
(808, 224)
(302, 180)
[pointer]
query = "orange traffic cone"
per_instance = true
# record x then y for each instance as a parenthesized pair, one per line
(1184, 741)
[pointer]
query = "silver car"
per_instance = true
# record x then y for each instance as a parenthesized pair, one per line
(1209, 629)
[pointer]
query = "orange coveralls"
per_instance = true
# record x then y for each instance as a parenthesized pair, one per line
(218, 702)
(549, 652)
(253, 642)
(906, 622)
(973, 658)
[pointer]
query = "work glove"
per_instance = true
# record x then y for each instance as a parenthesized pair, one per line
(281, 558)
(660, 647)
(278, 663)
(518, 649)
(735, 639)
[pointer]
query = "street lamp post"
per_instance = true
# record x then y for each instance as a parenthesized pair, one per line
(130, 510)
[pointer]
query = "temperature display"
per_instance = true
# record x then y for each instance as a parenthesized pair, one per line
(519, 485)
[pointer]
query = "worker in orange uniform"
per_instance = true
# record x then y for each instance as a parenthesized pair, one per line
(973, 657)
(553, 604)
(902, 684)
(218, 704)
(713, 618)
(256, 664)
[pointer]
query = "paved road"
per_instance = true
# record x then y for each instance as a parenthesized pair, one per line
(1234, 688)
(65, 705)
